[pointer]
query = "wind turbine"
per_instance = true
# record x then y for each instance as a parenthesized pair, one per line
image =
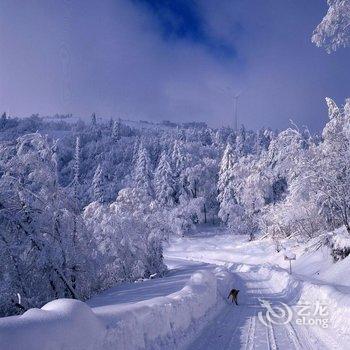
(235, 105)
(235, 108)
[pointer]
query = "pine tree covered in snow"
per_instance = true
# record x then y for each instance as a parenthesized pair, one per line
(116, 132)
(164, 182)
(37, 226)
(178, 158)
(142, 171)
(88, 211)
(93, 120)
(98, 185)
(241, 142)
(76, 178)
(226, 190)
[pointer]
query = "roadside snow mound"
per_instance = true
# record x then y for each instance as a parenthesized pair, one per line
(301, 289)
(337, 301)
(60, 324)
(168, 322)
(158, 323)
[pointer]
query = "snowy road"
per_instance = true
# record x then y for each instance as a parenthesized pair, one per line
(188, 308)
(239, 327)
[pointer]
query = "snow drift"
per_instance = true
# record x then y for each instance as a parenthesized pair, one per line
(316, 277)
(300, 288)
(60, 324)
(158, 323)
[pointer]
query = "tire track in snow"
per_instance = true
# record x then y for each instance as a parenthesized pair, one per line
(250, 335)
(321, 338)
(293, 337)
(239, 327)
(300, 338)
(218, 334)
(269, 332)
(271, 340)
(233, 341)
(214, 333)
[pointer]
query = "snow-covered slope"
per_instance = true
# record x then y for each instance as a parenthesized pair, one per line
(189, 308)
(154, 314)
(262, 272)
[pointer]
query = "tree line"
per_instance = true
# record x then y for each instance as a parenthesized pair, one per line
(86, 205)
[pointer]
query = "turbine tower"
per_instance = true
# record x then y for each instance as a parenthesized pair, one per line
(235, 110)
(228, 91)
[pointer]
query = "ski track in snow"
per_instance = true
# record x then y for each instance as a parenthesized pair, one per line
(238, 327)
(224, 325)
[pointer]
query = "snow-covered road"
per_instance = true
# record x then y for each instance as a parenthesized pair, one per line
(239, 327)
(189, 309)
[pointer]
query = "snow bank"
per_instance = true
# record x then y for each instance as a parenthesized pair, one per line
(158, 323)
(300, 288)
(167, 322)
(337, 301)
(60, 324)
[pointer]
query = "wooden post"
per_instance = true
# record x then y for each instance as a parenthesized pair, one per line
(289, 256)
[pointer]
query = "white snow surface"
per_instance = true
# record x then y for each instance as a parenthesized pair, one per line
(188, 308)
(153, 314)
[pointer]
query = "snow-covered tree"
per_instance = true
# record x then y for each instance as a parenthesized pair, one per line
(285, 184)
(93, 119)
(135, 151)
(142, 171)
(334, 30)
(226, 189)
(128, 237)
(240, 146)
(330, 169)
(98, 185)
(163, 181)
(37, 226)
(231, 139)
(178, 158)
(76, 171)
(116, 130)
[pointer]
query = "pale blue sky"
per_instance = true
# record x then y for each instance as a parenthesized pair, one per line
(178, 60)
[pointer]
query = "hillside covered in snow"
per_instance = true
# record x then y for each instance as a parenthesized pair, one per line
(132, 217)
(88, 206)
(188, 306)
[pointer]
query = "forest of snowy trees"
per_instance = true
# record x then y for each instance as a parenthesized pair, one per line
(88, 205)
